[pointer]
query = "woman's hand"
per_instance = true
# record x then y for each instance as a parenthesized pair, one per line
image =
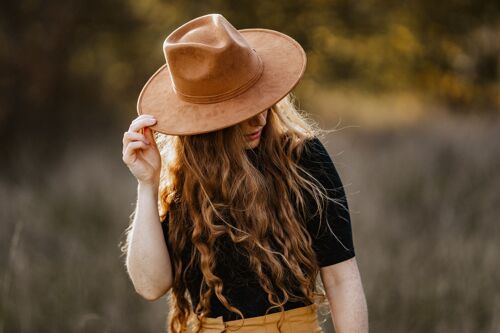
(140, 152)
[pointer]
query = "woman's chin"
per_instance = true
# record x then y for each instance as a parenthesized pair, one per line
(251, 144)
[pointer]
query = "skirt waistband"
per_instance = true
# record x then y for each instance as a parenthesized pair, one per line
(305, 313)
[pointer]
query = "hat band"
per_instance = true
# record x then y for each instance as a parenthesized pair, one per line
(225, 95)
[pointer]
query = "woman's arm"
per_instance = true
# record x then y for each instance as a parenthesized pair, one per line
(343, 287)
(148, 260)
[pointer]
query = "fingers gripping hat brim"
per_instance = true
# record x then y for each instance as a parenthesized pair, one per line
(284, 64)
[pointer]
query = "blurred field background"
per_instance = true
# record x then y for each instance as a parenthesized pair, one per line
(411, 87)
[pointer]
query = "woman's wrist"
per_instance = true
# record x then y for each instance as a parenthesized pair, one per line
(148, 187)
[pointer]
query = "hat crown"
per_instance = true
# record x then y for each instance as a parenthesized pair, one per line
(210, 61)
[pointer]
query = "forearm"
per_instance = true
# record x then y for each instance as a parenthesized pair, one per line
(348, 307)
(148, 260)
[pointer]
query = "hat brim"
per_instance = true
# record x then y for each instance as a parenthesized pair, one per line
(284, 64)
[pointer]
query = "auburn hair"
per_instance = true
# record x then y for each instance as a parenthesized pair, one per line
(211, 189)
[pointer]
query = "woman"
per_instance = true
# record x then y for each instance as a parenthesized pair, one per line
(250, 203)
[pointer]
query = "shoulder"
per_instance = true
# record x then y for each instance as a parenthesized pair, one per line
(315, 154)
(317, 161)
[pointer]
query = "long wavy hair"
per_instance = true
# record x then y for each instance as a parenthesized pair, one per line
(211, 189)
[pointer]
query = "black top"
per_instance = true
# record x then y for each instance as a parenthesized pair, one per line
(241, 286)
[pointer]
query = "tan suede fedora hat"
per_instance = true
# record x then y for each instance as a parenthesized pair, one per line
(216, 76)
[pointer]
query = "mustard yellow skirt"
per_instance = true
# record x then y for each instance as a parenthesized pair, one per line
(298, 320)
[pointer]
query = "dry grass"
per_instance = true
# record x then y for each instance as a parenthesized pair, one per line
(425, 206)
(424, 201)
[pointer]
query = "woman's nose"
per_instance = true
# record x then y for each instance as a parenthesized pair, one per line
(259, 120)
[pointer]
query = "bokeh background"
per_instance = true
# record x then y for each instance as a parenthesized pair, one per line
(412, 88)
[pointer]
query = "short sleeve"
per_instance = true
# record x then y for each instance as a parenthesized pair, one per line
(165, 227)
(332, 238)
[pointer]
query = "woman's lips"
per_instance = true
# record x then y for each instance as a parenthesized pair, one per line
(254, 136)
